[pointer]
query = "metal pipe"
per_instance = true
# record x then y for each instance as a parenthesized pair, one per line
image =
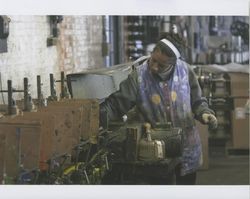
(62, 85)
(10, 104)
(52, 89)
(39, 90)
(26, 94)
(13, 90)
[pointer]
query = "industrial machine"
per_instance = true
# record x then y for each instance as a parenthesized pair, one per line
(60, 142)
(227, 89)
(136, 150)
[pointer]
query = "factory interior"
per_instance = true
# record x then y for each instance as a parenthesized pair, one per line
(56, 70)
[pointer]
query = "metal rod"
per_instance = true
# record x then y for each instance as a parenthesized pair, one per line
(62, 85)
(86, 176)
(60, 80)
(39, 90)
(17, 91)
(13, 90)
(9, 97)
(51, 77)
(26, 93)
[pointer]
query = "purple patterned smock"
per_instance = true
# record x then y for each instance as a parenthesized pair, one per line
(167, 101)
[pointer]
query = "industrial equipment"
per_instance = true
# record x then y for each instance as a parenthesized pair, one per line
(132, 154)
(98, 83)
(227, 89)
(27, 101)
(134, 157)
(64, 91)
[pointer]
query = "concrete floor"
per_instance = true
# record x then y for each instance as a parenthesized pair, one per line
(225, 170)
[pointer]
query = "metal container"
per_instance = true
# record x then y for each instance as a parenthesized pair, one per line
(151, 150)
(172, 137)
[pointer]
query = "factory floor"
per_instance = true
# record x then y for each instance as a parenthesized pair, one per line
(225, 170)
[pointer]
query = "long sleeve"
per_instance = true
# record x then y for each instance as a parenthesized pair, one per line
(199, 104)
(121, 101)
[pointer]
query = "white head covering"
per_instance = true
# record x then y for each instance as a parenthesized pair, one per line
(172, 47)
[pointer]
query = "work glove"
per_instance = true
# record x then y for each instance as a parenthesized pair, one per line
(210, 119)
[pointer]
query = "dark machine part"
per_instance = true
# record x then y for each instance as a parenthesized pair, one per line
(172, 138)
(162, 142)
(204, 80)
(216, 88)
(208, 78)
(132, 137)
(151, 150)
(148, 149)
(136, 157)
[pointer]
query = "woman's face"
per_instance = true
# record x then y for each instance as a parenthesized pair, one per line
(159, 62)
